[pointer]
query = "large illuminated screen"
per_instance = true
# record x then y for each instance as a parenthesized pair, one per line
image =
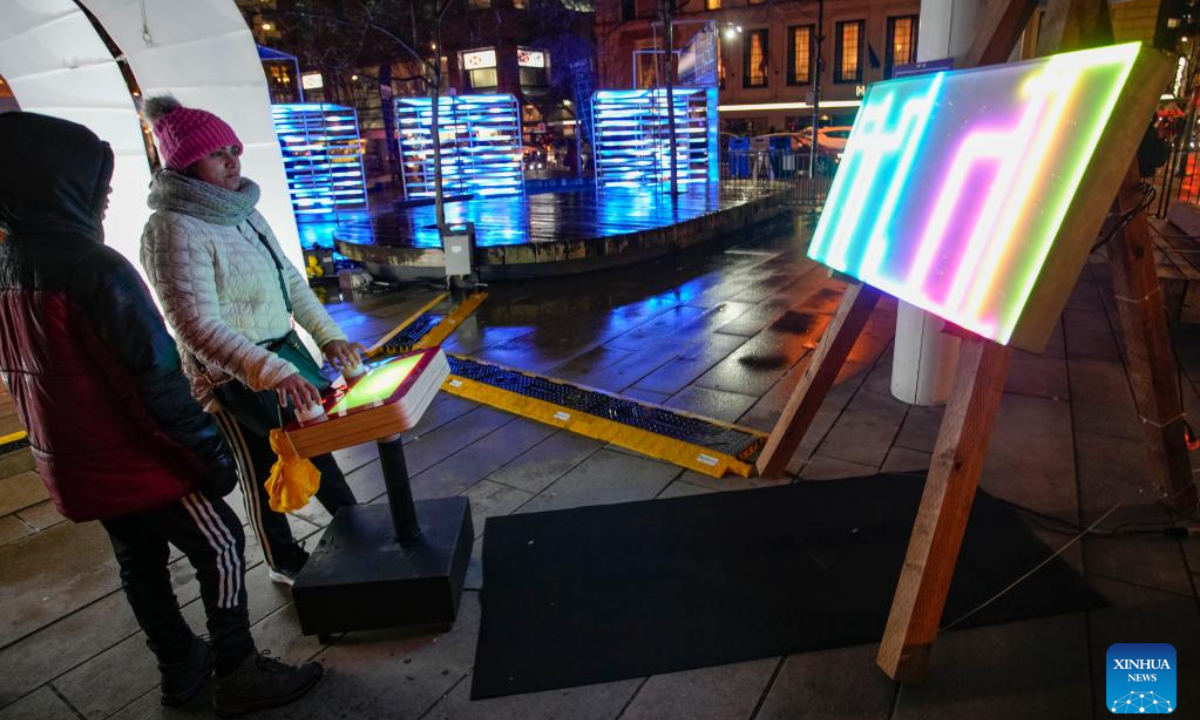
(954, 187)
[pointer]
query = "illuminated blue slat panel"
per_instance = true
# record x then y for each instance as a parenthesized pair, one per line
(322, 158)
(480, 138)
(632, 137)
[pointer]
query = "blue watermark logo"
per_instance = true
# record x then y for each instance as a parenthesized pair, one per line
(1141, 679)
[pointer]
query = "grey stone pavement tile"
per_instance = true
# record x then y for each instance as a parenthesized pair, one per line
(590, 702)
(21, 491)
(920, 429)
(41, 516)
(12, 528)
(756, 365)
(1089, 336)
(581, 366)
(664, 327)
(605, 477)
(903, 460)
(1101, 400)
(537, 468)
(43, 704)
(842, 683)
(724, 692)
(428, 450)
(729, 482)
(865, 431)
(692, 362)
(469, 465)
(984, 673)
(1111, 471)
(84, 571)
(1040, 375)
(1150, 561)
(820, 467)
(716, 404)
(645, 396)
(629, 369)
(489, 499)
(680, 488)
(1031, 456)
(390, 674)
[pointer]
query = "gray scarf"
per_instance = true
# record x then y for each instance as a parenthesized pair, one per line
(179, 193)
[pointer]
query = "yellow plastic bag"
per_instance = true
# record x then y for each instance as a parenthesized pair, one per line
(293, 480)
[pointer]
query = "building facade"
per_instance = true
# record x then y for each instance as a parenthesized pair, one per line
(767, 53)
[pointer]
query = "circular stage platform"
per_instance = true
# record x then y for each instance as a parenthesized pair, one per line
(562, 232)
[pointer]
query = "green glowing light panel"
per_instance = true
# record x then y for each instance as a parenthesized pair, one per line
(389, 399)
(380, 385)
(977, 194)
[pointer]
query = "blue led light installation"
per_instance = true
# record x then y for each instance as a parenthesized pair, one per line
(322, 158)
(632, 135)
(480, 137)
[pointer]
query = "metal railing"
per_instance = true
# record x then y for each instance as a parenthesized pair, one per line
(780, 167)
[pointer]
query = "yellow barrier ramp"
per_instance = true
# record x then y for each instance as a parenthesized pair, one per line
(451, 322)
(378, 348)
(679, 452)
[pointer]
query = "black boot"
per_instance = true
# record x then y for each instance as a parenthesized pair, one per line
(183, 679)
(262, 682)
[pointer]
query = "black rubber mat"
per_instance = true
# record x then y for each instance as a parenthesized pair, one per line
(719, 438)
(408, 337)
(610, 592)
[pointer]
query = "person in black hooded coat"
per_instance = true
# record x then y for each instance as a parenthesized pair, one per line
(113, 427)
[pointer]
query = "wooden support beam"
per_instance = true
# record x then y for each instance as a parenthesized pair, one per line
(831, 353)
(1006, 20)
(1152, 371)
(945, 505)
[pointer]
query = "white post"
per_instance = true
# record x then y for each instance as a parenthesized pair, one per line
(925, 358)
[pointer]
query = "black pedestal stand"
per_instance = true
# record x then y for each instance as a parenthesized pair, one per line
(381, 566)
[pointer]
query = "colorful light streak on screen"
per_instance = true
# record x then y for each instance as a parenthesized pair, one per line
(378, 385)
(953, 186)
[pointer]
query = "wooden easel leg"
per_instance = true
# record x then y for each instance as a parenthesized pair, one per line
(1152, 371)
(945, 505)
(831, 353)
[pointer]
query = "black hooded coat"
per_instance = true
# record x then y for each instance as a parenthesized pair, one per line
(95, 376)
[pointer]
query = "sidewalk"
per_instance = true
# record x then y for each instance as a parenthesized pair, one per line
(726, 335)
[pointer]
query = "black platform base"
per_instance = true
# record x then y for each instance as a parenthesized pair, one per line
(360, 578)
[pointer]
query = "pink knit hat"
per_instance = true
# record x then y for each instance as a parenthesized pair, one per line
(186, 134)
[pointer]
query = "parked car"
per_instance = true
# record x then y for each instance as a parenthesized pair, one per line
(830, 140)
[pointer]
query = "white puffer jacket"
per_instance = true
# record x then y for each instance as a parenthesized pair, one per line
(220, 289)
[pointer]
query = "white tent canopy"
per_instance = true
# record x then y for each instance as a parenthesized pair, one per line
(200, 51)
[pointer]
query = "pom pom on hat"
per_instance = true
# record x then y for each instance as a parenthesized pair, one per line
(158, 106)
(186, 134)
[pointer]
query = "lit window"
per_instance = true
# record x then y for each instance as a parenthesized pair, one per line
(847, 65)
(479, 4)
(800, 54)
(754, 59)
(712, 4)
(483, 78)
(902, 42)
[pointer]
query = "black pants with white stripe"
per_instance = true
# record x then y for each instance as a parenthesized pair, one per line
(254, 458)
(210, 535)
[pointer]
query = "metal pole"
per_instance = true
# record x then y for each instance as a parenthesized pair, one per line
(399, 491)
(438, 194)
(668, 8)
(812, 150)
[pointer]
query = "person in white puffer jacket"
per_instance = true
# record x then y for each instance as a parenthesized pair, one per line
(211, 258)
